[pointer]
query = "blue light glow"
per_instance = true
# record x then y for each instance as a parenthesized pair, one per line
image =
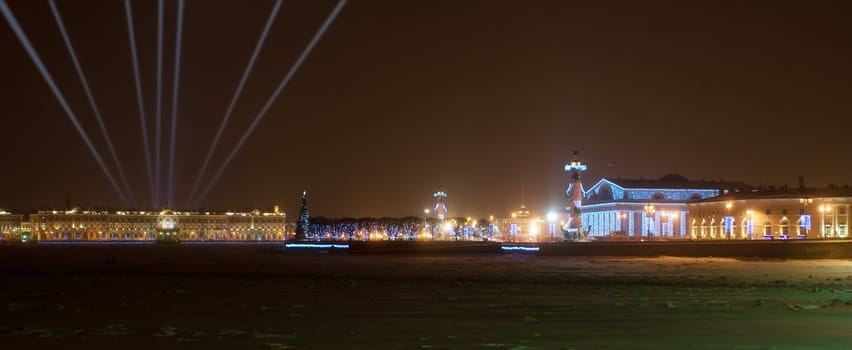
(520, 248)
(234, 99)
(729, 224)
(806, 222)
(577, 167)
(316, 246)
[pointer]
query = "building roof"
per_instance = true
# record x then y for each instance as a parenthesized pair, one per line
(785, 193)
(675, 181)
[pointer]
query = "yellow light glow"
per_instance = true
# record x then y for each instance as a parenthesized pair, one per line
(448, 226)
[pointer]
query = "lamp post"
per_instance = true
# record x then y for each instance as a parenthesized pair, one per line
(749, 224)
(649, 211)
(426, 223)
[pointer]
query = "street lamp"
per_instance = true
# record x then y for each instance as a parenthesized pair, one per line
(426, 222)
(649, 211)
(749, 223)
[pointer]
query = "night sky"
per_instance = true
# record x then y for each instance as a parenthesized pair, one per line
(399, 97)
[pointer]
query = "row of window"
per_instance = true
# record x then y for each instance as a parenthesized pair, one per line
(839, 230)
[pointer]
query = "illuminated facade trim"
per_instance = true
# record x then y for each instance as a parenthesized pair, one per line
(643, 209)
(78, 225)
(786, 217)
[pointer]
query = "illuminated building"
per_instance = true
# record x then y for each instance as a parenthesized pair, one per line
(521, 226)
(10, 226)
(82, 225)
(574, 228)
(773, 214)
(645, 209)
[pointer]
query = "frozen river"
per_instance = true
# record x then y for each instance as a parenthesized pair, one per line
(248, 297)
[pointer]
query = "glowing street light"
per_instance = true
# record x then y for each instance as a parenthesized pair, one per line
(552, 217)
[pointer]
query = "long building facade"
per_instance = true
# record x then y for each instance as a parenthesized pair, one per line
(668, 208)
(168, 225)
(645, 208)
(11, 226)
(773, 214)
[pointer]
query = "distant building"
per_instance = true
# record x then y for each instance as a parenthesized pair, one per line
(646, 209)
(83, 225)
(773, 214)
(521, 226)
(11, 226)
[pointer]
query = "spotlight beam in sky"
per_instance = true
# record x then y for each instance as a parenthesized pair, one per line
(91, 99)
(234, 99)
(175, 102)
(159, 111)
(22, 37)
(142, 122)
(272, 98)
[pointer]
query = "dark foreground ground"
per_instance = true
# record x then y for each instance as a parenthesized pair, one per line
(248, 297)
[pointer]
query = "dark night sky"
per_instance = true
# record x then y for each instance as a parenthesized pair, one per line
(402, 96)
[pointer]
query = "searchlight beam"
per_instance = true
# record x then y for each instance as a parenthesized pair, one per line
(22, 37)
(273, 97)
(175, 90)
(249, 67)
(91, 99)
(142, 122)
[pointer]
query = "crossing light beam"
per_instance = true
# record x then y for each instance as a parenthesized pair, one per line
(158, 114)
(273, 97)
(22, 37)
(175, 89)
(234, 98)
(142, 121)
(91, 99)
